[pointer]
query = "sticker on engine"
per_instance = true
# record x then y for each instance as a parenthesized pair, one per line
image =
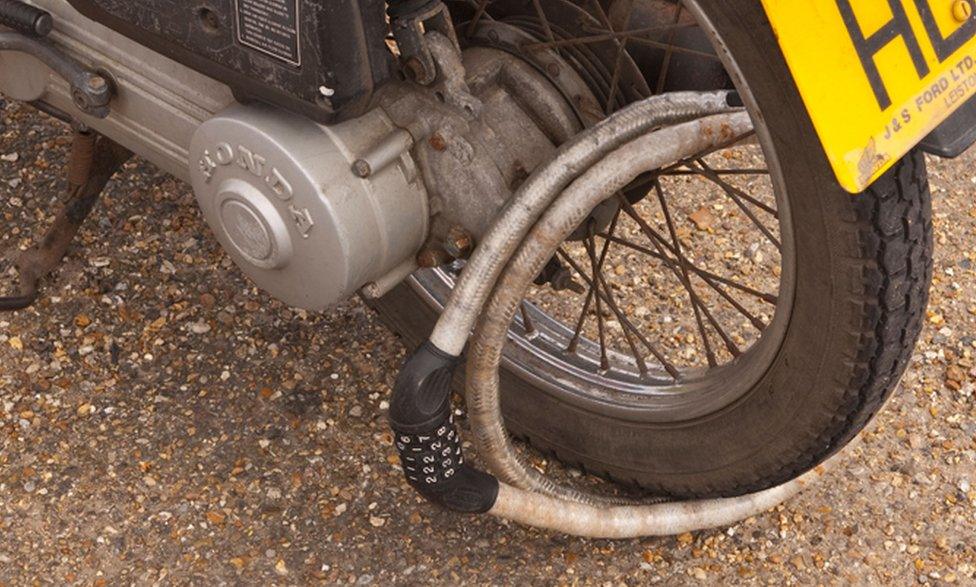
(270, 26)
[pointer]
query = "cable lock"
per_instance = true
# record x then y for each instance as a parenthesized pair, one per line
(588, 169)
(428, 440)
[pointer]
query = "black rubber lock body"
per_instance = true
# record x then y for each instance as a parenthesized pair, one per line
(427, 438)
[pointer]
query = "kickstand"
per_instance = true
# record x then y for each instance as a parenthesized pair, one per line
(93, 161)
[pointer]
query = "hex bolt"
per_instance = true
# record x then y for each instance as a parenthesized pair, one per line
(96, 82)
(458, 243)
(962, 10)
(432, 257)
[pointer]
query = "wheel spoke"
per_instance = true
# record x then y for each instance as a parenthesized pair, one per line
(601, 329)
(544, 21)
(729, 344)
(675, 48)
(618, 61)
(662, 77)
(615, 79)
(756, 322)
(667, 365)
(604, 36)
(478, 15)
(704, 274)
(732, 191)
(574, 341)
(628, 336)
(697, 303)
(675, 267)
(719, 172)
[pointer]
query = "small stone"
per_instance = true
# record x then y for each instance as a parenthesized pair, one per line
(15, 182)
(199, 328)
(376, 521)
(703, 219)
(10, 157)
(15, 343)
(356, 411)
(85, 409)
(281, 568)
(207, 301)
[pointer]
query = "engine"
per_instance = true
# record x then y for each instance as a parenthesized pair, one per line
(313, 213)
(283, 200)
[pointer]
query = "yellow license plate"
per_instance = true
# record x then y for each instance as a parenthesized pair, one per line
(876, 75)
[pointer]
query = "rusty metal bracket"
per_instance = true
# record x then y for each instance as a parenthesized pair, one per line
(94, 160)
(410, 23)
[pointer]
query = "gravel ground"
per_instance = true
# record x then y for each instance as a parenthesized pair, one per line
(161, 421)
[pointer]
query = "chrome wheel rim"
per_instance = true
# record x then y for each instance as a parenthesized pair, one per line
(634, 378)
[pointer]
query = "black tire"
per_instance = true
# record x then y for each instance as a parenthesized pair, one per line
(863, 268)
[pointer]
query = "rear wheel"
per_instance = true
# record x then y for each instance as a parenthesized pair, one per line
(735, 320)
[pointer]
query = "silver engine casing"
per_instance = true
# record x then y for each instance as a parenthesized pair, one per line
(282, 199)
(312, 213)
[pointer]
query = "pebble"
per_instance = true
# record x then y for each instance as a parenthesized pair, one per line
(200, 328)
(281, 568)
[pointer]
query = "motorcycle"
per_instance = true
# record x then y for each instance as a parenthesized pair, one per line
(683, 245)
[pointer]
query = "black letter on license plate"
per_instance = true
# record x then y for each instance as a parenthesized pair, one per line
(945, 46)
(868, 47)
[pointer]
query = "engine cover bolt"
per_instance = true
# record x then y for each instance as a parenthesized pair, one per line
(361, 168)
